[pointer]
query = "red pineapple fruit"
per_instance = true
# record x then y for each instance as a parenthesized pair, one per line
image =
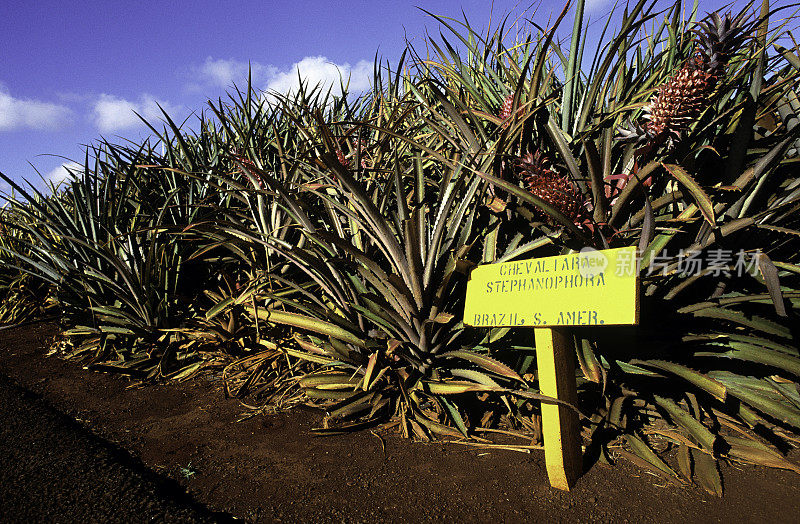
(681, 100)
(544, 183)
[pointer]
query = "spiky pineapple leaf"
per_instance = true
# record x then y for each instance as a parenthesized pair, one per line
(704, 382)
(485, 362)
(702, 200)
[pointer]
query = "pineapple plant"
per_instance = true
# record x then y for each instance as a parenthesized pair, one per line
(711, 340)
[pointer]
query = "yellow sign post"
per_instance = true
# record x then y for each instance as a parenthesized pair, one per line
(580, 289)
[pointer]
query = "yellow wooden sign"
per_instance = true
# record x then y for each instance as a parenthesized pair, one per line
(586, 288)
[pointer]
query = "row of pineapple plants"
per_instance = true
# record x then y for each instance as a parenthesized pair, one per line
(316, 249)
(22, 297)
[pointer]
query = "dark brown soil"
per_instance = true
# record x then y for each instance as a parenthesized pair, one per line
(77, 444)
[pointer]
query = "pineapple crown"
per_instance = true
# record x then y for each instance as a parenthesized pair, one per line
(717, 37)
(632, 133)
(533, 164)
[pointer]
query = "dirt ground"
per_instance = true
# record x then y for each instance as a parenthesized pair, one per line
(175, 452)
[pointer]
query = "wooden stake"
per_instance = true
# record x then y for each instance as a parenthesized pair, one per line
(555, 357)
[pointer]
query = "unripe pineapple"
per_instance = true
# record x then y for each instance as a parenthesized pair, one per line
(341, 158)
(558, 191)
(251, 168)
(359, 144)
(505, 109)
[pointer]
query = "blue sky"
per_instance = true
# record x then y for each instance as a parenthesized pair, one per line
(75, 71)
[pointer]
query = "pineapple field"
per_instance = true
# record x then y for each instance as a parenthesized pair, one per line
(314, 250)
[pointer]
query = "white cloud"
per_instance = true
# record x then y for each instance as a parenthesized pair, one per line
(18, 113)
(112, 113)
(313, 70)
(594, 5)
(63, 172)
(225, 73)
(316, 70)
